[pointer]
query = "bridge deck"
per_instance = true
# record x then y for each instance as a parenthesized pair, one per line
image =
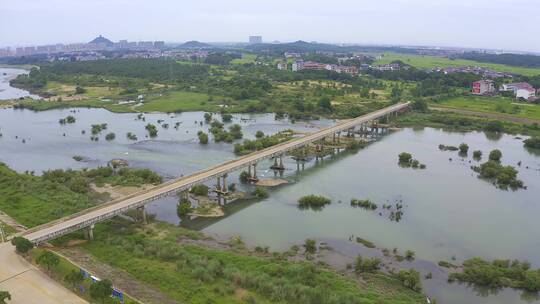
(105, 211)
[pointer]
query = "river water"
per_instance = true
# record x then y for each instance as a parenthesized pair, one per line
(448, 212)
(9, 92)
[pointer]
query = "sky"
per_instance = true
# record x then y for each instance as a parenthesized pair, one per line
(490, 24)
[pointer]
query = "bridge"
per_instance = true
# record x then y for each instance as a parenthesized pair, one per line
(87, 218)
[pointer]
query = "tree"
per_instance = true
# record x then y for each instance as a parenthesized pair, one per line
(405, 158)
(110, 136)
(200, 189)
(203, 137)
(207, 117)
(310, 246)
(366, 265)
(495, 155)
(259, 134)
(184, 207)
(48, 260)
(325, 104)
(74, 279)
(410, 279)
(21, 244)
(80, 90)
(477, 154)
(4, 295)
(463, 148)
(101, 290)
(420, 105)
(260, 193)
(226, 117)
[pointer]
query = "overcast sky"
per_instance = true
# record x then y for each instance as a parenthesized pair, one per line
(496, 24)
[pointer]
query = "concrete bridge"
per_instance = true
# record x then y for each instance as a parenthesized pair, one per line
(87, 218)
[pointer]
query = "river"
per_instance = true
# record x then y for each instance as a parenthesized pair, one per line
(448, 211)
(9, 92)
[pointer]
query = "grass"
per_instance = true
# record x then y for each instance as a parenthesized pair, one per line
(64, 267)
(246, 58)
(429, 62)
(496, 105)
(177, 101)
(192, 273)
(32, 201)
(8, 230)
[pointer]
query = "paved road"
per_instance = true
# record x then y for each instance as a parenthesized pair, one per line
(102, 212)
(27, 285)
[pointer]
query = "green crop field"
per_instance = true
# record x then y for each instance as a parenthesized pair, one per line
(428, 62)
(496, 105)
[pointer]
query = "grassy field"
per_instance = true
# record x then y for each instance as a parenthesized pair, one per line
(428, 62)
(197, 274)
(246, 58)
(497, 105)
(177, 101)
(64, 267)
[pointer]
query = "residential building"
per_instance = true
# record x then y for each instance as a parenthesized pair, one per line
(159, 44)
(282, 65)
(483, 87)
(520, 89)
(255, 39)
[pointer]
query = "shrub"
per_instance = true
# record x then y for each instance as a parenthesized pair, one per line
(410, 279)
(183, 207)
(366, 265)
(101, 290)
(244, 177)
(313, 201)
(409, 255)
(463, 148)
(203, 137)
(200, 189)
(260, 193)
(310, 246)
(21, 244)
(405, 158)
(226, 117)
(110, 136)
(259, 134)
(366, 204)
(495, 155)
(533, 142)
(477, 154)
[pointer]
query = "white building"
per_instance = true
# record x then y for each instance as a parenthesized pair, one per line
(520, 89)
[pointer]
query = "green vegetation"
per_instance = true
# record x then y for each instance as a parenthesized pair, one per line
(463, 148)
(447, 148)
(110, 136)
(503, 176)
(310, 246)
(97, 128)
(365, 242)
(196, 274)
(446, 264)
(477, 154)
(533, 143)
(131, 136)
(410, 279)
(220, 134)
(460, 122)
(499, 273)
(406, 160)
(4, 296)
(68, 120)
(362, 265)
(495, 155)
(59, 193)
(152, 130)
(249, 146)
(21, 244)
(200, 189)
(203, 137)
(183, 207)
(366, 204)
(495, 105)
(260, 193)
(314, 202)
(430, 62)
(101, 290)
(64, 272)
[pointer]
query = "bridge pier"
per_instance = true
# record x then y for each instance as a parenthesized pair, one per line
(142, 214)
(278, 163)
(253, 173)
(89, 233)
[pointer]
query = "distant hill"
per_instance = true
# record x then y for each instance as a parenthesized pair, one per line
(101, 39)
(308, 47)
(194, 45)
